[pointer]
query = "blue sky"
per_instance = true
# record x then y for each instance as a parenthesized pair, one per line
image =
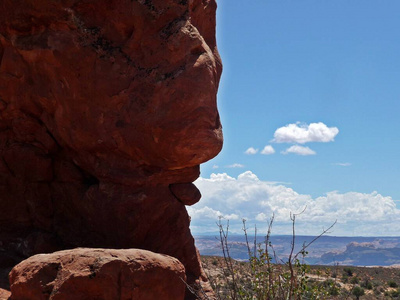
(323, 76)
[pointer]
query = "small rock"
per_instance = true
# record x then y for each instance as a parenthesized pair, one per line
(187, 193)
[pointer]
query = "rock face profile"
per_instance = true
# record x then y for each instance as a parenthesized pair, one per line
(86, 273)
(107, 108)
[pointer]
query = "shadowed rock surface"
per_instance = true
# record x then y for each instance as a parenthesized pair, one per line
(98, 274)
(107, 108)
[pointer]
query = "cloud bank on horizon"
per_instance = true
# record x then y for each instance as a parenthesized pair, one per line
(362, 214)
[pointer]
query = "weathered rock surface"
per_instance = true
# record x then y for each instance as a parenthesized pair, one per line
(106, 107)
(187, 193)
(98, 274)
(4, 294)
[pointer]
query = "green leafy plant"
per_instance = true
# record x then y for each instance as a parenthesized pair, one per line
(271, 277)
(395, 294)
(392, 284)
(354, 280)
(348, 271)
(367, 284)
(358, 292)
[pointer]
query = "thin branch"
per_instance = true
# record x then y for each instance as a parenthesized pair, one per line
(325, 231)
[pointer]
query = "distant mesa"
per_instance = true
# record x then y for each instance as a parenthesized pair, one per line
(327, 250)
(364, 254)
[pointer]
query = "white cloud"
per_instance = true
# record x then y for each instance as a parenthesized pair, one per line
(215, 166)
(299, 150)
(303, 133)
(235, 165)
(248, 176)
(255, 200)
(261, 217)
(209, 213)
(342, 164)
(268, 150)
(251, 151)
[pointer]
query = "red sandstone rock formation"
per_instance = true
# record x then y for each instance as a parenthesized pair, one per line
(81, 274)
(4, 294)
(107, 108)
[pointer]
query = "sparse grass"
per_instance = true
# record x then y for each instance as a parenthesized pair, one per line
(374, 280)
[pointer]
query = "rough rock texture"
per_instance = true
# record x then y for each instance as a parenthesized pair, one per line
(187, 193)
(4, 294)
(107, 108)
(82, 274)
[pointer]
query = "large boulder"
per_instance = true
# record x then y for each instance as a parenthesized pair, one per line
(107, 108)
(101, 274)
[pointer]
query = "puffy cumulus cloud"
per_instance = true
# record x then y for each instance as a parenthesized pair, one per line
(299, 150)
(256, 200)
(209, 213)
(251, 151)
(235, 165)
(268, 150)
(261, 217)
(303, 133)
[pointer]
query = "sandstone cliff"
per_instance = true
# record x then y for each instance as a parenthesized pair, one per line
(107, 108)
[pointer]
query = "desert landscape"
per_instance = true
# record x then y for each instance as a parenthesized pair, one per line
(333, 282)
(110, 129)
